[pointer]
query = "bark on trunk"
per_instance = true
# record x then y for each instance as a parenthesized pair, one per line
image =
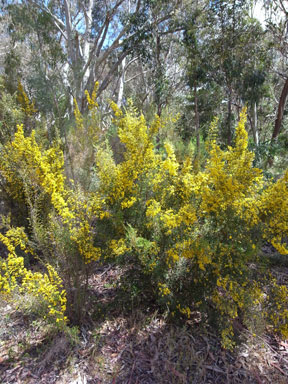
(159, 72)
(121, 83)
(229, 118)
(197, 125)
(280, 111)
(255, 125)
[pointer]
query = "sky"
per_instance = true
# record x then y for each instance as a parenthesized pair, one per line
(259, 12)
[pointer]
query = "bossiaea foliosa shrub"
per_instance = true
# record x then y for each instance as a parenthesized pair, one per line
(194, 234)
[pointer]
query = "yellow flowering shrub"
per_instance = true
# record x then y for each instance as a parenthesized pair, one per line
(47, 288)
(24, 164)
(11, 113)
(92, 100)
(32, 174)
(274, 209)
(78, 118)
(35, 177)
(83, 137)
(277, 308)
(192, 232)
(119, 182)
(27, 106)
(211, 218)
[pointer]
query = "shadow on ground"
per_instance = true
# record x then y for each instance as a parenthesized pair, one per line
(121, 345)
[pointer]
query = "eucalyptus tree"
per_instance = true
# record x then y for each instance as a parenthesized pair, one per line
(227, 62)
(76, 43)
(255, 81)
(197, 67)
(227, 48)
(278, 26)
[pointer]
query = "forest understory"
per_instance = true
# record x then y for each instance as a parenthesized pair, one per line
(143, 192)
(126, 345)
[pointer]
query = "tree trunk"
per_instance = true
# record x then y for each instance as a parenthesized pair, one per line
(255, 125)
(159, 75)
(229, 118)
(197, 125)
(121, 83)
(280, 111)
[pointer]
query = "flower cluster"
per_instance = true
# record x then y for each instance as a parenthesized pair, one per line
(277, 309)
(45, 287)
(208, 218)
(274, 209)
(193, 232)
(34, 174)
(27, 106)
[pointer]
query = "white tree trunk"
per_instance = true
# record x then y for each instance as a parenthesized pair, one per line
(255, 125)
(121, 83)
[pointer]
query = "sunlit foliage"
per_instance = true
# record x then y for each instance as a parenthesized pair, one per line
(194, 232)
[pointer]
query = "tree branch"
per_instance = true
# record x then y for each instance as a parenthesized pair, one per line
(134, 77)
(107, 79)
(56, 20)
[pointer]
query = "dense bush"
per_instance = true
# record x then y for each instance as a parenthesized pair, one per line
(193, 233)
(45, 288)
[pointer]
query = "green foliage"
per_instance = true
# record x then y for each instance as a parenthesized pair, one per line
(181, 205)
(187, 233)
(193, 234)
(10, 115)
